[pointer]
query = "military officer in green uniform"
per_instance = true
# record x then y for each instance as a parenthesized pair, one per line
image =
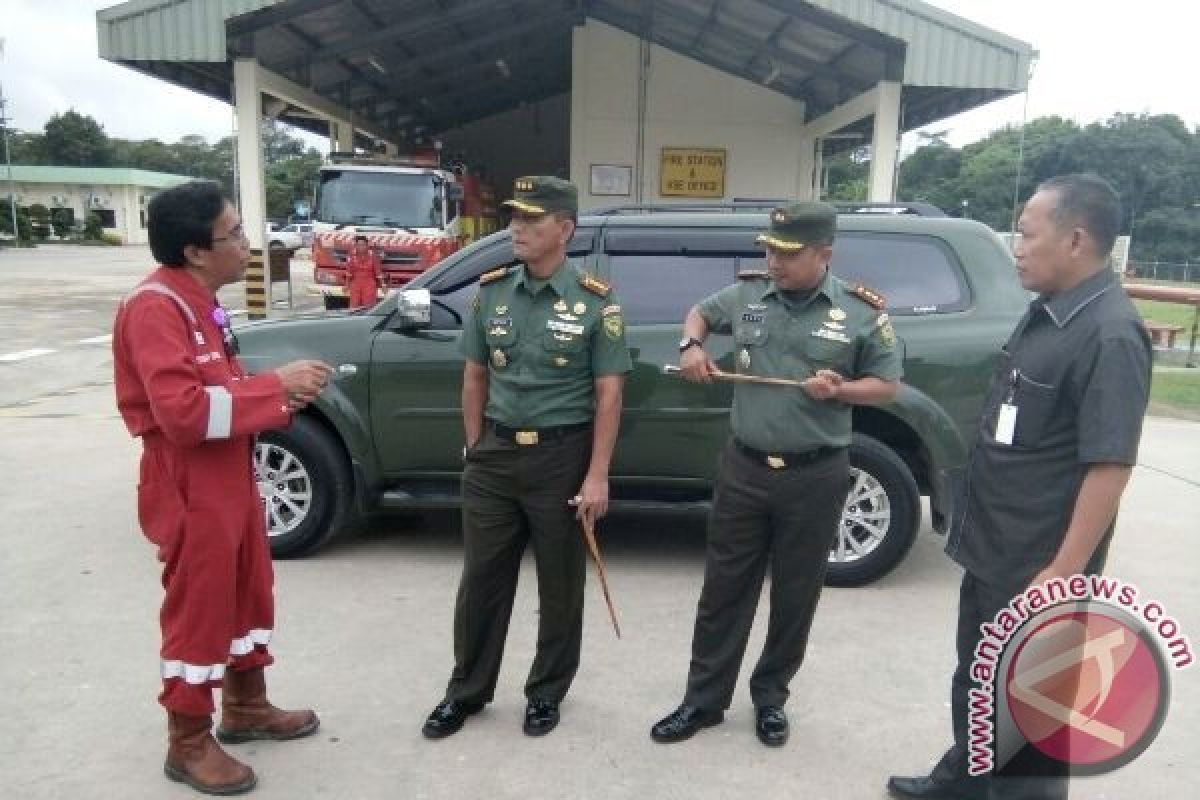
(784, 474)
(545, 366)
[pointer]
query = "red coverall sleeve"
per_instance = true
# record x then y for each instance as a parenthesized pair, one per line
(188, 411)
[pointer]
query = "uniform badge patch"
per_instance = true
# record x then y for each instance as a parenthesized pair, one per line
(750, 316)
(499, 360)
(580, 308)
(560, 306)
(836, 314)
(613, 326)
(886, 332)
(502, 310)
(610, 310)
(561, 361)
(744, 359)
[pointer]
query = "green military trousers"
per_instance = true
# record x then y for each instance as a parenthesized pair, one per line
(787, 517)
(514, 494)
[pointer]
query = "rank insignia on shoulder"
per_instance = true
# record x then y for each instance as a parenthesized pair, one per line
(594, 284)
(869, 296)
(752, 275)
(494, 275)
(604, 312)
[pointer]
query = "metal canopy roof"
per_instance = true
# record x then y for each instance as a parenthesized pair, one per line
(420, 67)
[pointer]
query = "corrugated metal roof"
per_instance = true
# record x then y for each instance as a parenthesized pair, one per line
(105, 176)
(943, 48)
(415, 67)
(169, 30)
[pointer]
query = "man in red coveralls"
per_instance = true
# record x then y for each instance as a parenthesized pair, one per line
(181, 389)
(366, 274)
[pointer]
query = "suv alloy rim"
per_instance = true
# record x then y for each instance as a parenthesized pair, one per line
(865, 521)
(285, 486)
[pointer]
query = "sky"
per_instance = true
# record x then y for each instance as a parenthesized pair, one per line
(1095, 58)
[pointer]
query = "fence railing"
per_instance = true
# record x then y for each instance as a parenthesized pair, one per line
(1185, 272)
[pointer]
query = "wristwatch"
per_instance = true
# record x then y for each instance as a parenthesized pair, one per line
(689, 341)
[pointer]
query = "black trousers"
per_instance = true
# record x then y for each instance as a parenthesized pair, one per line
(1044, 779)
(512, 495)
(787, 517)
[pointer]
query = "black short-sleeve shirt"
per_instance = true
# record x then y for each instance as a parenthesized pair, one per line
(1077, 368)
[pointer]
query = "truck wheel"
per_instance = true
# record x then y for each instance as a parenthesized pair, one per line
(305, 482)
(333, 303)
(880, 521)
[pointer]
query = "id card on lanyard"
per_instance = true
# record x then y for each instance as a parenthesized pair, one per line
(1006, 420)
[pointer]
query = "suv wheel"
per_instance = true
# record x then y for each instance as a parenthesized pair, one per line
(881, 517)
(304, 480)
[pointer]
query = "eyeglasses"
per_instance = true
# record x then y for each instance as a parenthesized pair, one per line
(236, 234)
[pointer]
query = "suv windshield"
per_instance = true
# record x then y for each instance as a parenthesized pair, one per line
(353, 197)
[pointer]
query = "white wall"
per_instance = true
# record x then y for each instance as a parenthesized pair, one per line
(532, 140)
(688, 104)
(123, 201)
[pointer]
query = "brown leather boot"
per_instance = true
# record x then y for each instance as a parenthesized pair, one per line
(195, 758)
(246, 715)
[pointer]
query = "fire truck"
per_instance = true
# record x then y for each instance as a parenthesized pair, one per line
(413, 212)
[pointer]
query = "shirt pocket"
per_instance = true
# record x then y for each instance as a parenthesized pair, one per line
(750, 334)
(502, 336)
(563, 349)
(825, 353)
(1035, 402)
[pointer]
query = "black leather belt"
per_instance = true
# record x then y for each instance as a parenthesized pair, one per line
(785, 460)
(532, 436)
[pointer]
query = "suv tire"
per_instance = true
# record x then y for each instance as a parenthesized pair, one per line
(883, 490)
(307, 484)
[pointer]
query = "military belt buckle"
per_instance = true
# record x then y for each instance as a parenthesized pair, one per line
(526, 437)
(776, 462)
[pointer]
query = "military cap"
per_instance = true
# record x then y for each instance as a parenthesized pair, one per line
(543, 194)
(800, 224)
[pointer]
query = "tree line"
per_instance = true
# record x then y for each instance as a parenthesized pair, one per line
(1153, 161)
(72, 139)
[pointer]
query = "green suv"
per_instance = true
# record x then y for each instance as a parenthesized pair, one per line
(387, 434)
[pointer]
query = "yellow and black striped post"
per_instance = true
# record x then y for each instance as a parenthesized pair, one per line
(256, 285)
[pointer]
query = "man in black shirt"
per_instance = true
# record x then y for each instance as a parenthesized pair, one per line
(1055, 447)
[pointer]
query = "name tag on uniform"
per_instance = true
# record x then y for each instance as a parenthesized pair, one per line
(564, 327)
(833, 336)
(752, 317)
(1006, 423)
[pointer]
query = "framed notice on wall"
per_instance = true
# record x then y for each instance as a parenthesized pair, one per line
(611, 179)
(692, 172)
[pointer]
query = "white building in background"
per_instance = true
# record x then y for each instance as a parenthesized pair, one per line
(117, 195)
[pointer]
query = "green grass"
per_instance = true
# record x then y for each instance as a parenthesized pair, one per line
(1167, 313)
(1178, 388)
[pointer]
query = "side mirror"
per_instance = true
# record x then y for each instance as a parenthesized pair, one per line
(412, 309)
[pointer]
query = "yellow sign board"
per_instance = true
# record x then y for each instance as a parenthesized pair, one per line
(692, 172)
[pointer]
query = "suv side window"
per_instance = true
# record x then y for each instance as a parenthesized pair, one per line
(660, 273)
(917, 274)
(453, 289)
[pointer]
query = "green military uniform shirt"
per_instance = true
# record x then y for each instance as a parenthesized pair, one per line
(835, 329)
(545, 342)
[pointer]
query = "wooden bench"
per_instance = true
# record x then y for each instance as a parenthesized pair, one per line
(1162, 335)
